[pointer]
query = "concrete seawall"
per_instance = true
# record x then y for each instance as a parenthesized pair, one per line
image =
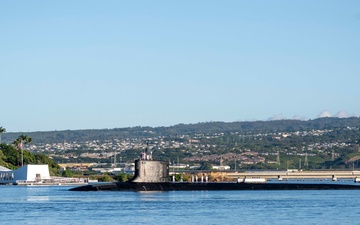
(328, 174)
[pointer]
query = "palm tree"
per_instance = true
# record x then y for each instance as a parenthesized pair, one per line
(16, 144)
(19, 142)
(2, 130)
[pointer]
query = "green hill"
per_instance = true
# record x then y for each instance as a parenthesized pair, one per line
(185, 129)
(10, 157)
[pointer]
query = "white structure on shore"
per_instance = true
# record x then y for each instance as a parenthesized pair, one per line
(25, 175)
(220, 167)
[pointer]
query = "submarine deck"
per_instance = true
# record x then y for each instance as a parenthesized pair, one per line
(185, 186)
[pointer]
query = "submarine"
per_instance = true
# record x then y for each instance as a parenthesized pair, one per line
(153, 175)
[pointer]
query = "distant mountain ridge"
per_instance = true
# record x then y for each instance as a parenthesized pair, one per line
(185, 129)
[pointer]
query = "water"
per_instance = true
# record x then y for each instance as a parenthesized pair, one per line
(57, 205)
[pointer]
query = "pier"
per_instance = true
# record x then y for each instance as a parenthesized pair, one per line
(295, 174)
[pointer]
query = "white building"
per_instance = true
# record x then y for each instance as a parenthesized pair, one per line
(27, 174)
(221, 167)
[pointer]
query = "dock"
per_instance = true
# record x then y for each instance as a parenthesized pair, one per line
(296, 174)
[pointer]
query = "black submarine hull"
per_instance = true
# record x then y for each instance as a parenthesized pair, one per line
(211, 186)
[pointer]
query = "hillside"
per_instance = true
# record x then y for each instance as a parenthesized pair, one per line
(186, 129)
(10, 157)
(318, 144)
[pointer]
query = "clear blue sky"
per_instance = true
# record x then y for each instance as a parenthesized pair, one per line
(107, 64)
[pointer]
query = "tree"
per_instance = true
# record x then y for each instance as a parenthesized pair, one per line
(105, 178)
(205, 166)
(2, 157)
(122, 177)
(11, 156)
(67, 173)
(19, 142)
(2, 130)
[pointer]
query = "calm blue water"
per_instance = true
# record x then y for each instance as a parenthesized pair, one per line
(57, 205)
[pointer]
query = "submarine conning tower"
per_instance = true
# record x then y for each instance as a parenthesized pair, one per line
(150, 171)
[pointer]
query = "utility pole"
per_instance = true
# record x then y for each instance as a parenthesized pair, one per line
(178, 163)
(278, 158)
(22, 153)
(287, 165)
(306, 163)
(114, 157)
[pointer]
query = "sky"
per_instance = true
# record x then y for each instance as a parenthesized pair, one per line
(113, 64)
